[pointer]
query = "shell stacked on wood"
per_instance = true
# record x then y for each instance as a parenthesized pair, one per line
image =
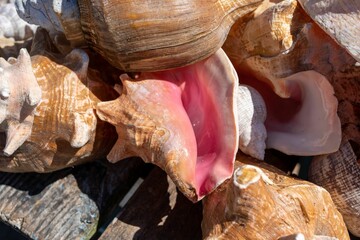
(260, 202)
(274, 47)
(282, 40)
(141, 35)
(184, 120)
(65, 129)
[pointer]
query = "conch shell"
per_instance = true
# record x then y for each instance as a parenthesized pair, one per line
(183, 120)
(339, 173)
(285, 56)
(19, 97)
(340, 19)
(51, 121)
(137, 35)
(260, 202)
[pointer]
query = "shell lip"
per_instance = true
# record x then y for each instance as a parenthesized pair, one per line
(209, 98)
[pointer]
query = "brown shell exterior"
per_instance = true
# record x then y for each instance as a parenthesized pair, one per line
(286, 41)
(155, 35)
(65, 131)
(339, 173)
(340, 19)
(272, 207)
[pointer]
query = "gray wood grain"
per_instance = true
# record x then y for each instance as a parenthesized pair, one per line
(157, 211)
(66, 204)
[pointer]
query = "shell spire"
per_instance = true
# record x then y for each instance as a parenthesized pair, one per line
(20, 94)
(184, 120)
(159, 35)
(261, 202)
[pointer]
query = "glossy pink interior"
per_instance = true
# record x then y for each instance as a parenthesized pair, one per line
(207, 126)
(202, 113)
(279, 110)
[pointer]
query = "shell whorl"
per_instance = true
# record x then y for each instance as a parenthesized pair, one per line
(64, 131)
(260, 196)
(156, 36)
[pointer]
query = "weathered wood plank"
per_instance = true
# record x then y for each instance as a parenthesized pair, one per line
(157, 211)
(66, 204)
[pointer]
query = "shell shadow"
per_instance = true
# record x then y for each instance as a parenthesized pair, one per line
(159, 211)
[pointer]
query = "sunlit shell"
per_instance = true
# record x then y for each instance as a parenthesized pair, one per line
(184, 120)
(65, 129)
(251, 110)
(20, 94)
(12, 26)
(138, 35)
(340, 19)
(260, 202)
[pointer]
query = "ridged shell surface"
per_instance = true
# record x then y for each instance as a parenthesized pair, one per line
(155, 35)
(65, 129)
(339, 173)
(340, 19)
(260, 202)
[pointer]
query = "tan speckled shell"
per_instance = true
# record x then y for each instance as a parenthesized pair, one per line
(263, 203)
(286, 41)
(66, 130)
(157, 35)
(304, 46)
(141, 35)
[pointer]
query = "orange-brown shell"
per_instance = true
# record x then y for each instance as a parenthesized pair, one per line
(141, 35)
(260, 202)
(65, 128)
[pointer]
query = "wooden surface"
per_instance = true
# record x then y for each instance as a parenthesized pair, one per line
(157, 211)
(67, 204)
(77, 203)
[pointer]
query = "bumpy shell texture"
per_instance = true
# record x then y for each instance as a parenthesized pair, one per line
(340, 19)
(184, 120)
(280, 42)
(260, 202)
(20, 94)
(141, 35)
(251, 110)
(12, 26)
(65, 130)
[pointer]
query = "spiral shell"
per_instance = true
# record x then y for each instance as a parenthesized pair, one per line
(141, 35)
(63, 130)
(261, 202)
(183, 120)
(340, 19)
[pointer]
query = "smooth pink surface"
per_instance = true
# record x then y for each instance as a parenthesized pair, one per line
(211, 124)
